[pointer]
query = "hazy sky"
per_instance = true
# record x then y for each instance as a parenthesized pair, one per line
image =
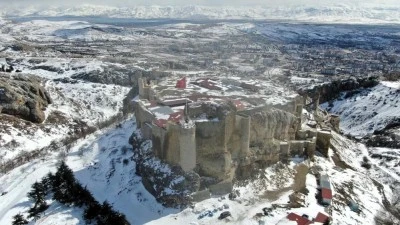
(189, 2)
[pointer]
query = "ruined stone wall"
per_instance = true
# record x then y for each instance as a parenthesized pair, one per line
(172, 144)
(238, 136)
(305, 134)
(143, 89)
(324, 141)
(147, 130)
(311, 147)
(297, 148)
(210, 137)
(212, 156)
(143, 115)
(284, 151)
(158, 140)
(175, 145)
(244, 124)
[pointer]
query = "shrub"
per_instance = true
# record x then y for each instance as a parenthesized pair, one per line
(19, 220)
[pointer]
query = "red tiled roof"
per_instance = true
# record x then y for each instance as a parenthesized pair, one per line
(326, 193)
(207, 83)
(160, 122)
(300, 220)
(174, 117)
(321, 218)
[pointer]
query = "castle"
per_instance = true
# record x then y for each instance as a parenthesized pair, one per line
(206, 127)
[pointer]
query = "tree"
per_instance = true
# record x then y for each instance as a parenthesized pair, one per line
(91, 212)
(19, 220)
(105, 213)
(37, 210)
(38, 193)
(117, 218)
(108, 216)
(38, 196)
(63, 184)
(47, 182)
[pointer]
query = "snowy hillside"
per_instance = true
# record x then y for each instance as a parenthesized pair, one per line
(89, 68)
(103, 163)
(74, 102)
(367, 110)
(330, 14)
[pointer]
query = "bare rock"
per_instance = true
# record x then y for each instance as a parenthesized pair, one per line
(23, 96)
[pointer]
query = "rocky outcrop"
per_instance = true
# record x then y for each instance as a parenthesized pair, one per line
(388, 138)
(23, 96)
(118, 75)
(324, 141)
(332, 90)
(392, 76)
(170, 185)
(128, 106)
(273, 124)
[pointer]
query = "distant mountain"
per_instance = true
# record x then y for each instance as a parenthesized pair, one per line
(331, 14)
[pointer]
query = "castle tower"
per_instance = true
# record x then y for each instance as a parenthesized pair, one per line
(245, 134)
(144, 88)
(187, 143)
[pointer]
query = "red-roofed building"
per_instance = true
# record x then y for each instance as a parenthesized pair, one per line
(300, 220)
(326, 196)
(175, 102)
(160, 123)
(209, 84)
(176, 117)
(321, 218)
(181, 83)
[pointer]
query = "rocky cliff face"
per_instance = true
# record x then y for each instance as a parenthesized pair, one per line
(267, 129)
(273, 124)
(330, 91)
(23, 96)
(170, 185)
(111, 74)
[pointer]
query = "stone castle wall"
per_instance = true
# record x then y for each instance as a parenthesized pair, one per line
(231, 143)
(188, 150)
(265, 135)
(143, 115)
(213, 159)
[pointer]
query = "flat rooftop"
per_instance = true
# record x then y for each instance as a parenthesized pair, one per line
(251, 92)
(175, 92)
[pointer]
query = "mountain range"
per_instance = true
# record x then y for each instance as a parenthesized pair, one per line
(339, 13)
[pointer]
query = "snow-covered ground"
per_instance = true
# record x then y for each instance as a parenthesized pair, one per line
(103, 163)
(369, 110)
(81, 101)
(322, 33)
